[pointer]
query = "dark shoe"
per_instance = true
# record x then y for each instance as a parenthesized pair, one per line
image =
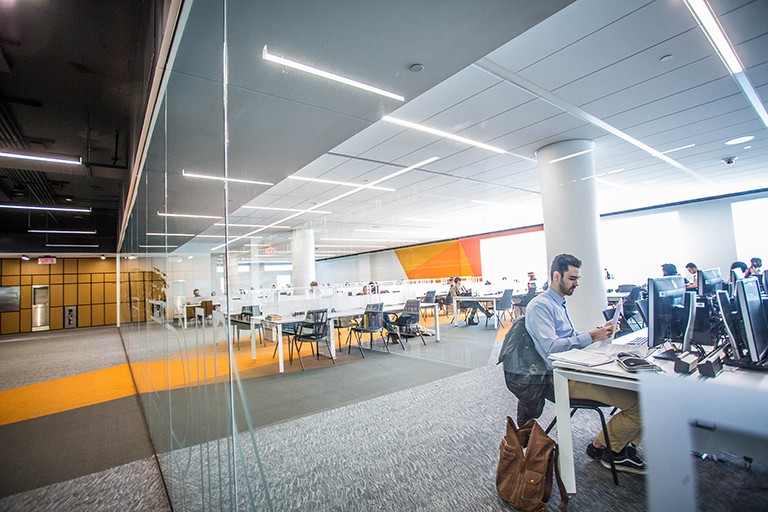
(631, 450)
(624, 462)
(471, 322)
(489, 314)
(594, 452)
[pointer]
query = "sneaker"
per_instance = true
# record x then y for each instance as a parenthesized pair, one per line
(472, 322)
(624, 462)
(594, 452)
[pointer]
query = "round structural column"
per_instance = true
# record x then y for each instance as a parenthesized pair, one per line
(303, 259)
(572, 223)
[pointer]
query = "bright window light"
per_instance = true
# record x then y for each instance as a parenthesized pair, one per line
(39, 158)
(330, 76)
(218, 178)
(342, 183)
(44, 208)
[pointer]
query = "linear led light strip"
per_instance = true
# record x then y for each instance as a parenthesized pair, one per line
(706, 19)
(451, 136)
(71, 245)
(495, 69)
(343, 183)
(219, 178)
(67, 161)
(333, 199)
(45, 208)
(273, 209)
(330, 76)
(188, 216)
(232, 224)
(61, 232)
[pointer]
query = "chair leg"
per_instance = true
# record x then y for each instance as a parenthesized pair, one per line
(554, 420)
(328, 346)
(298, 354)
(608, 444)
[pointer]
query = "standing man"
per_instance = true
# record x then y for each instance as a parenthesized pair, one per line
(548, 323)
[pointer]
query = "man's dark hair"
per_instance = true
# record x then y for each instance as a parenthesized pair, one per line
(690, 264)
(669, 269)
(561, 262)
(756, 262)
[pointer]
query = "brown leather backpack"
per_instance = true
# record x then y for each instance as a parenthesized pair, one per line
(524, 479)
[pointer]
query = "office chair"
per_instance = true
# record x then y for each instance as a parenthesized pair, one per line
(630, 306)
(503, 307)
(314, 330)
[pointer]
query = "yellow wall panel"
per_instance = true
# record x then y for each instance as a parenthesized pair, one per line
(110, 278)
(70, 278)
(57, 278)
(26, 280)
(110, 314)
(83, 294)
(57, 268)
(70, 266)
(83, 278)
(11, 267)
(11, 280)
(97, 293)
(26, 297)
(97, 314)
(57, 318)
(84, 316)
(40, 280)
(26, 320)
(31, 268)
(125, 313)
(110, 292)
(57, 295)
(93, 265)
(9, 322)
(97, 278)
(70, 294)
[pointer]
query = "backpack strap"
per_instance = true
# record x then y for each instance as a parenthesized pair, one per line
(560, 485)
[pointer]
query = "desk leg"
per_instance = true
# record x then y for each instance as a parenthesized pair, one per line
(564, 439)
(253, 340)
(495, 316)
(437, 323)
(280, 362)
(331, 338)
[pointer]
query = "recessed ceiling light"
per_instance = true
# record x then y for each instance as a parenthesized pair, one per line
(72, 245)
(270, 208)
(440, 133)
(747, 147)
(739, 140)
(666, 58)
(330, 76)
(706, 19)
(677, 149)
(365, 240)
(343, 183)
(188, 215)
(157, 246)
(232, 224)
(61, 232)
(572, 155)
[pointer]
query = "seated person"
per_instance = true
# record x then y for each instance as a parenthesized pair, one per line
(693, 270)
(196, 297)
(668, 269)
(755, 267)
(550, 327)
(458, 290)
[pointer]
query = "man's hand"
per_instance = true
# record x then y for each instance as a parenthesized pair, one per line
(602, 333)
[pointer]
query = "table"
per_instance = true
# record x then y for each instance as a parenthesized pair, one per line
(613, 375)
(477, 298)
(614, 297)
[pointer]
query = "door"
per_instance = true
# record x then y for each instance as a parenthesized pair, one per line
(40, 308)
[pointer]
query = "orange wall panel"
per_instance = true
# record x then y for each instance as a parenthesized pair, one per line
(9, 322)
(11, 267)
(83, 294)
(26, 320)
(97, 314)
(57, 318)
(83, 316)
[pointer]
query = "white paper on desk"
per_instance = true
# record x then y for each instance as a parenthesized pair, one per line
(582, 357)
(607, 348)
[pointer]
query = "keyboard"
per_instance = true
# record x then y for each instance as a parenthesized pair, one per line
(643, 340)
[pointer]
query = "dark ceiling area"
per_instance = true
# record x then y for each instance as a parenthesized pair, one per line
(71, 80)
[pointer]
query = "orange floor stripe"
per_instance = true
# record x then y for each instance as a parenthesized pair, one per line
(188, 369)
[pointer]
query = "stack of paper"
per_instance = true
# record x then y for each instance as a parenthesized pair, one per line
(582, 357)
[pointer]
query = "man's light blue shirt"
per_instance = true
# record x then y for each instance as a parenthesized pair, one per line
(548, 323)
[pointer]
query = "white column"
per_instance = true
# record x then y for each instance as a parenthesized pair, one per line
(302, 258)
(571, 223)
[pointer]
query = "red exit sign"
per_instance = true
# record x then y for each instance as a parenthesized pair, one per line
(46, 261)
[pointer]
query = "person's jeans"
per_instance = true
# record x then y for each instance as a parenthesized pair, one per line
(473, 312)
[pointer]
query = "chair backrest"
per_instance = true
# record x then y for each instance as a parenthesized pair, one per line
(315, 323)
(634, 294)
(376, 306)
(642, 308)
(316, 316)
(412, 306)
(528, 296)
(506, 300)
(373, 320)
(207, 306)
(429, 297)
(625, 288)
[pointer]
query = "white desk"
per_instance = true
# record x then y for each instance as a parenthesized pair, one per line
(478, 298)
(660, 453)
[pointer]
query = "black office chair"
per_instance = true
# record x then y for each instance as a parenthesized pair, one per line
(314, 330)
(630, 306)
(642, 308)
(503, 307)
(523, 302)
(625, 288)
(406, 324)
(429, 298)
(372, 322)
(581, 403)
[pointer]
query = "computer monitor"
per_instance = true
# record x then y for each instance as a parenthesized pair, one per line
(666, 309)
(709, 281)
(736, 274)
(755, 325)
(727, 315)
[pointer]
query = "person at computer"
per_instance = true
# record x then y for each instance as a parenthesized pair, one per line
(668, 269)
(755, 267)
(550, 327)
(457, 290)
(692, 284)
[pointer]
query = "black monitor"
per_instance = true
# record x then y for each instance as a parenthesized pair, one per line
(728, 316)
(709, 281)
(666, 309)
(736, 274)
(755, 325)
